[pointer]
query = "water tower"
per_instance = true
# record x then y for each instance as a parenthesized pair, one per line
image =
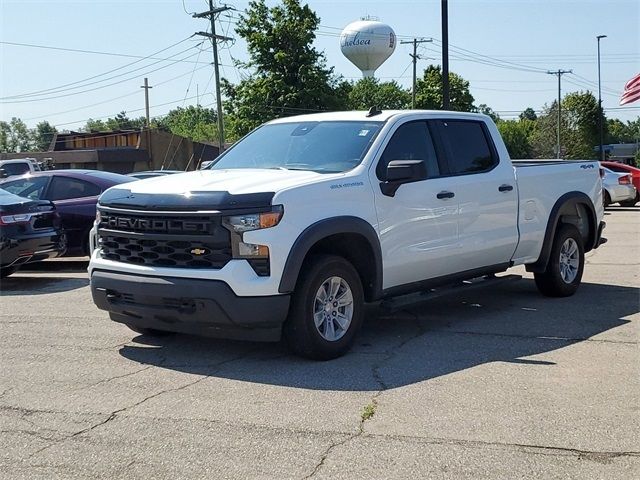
(367, 43)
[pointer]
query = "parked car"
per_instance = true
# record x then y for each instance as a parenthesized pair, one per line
(30, 231)
(617, 188)
(305, 219)
(635, 178)
(9, 168)
(74, 193)
(152, 173)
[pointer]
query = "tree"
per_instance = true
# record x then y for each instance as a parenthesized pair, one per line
(487, 110)
(120, 122)
(194, 122)
(516, 135)
(620, 132)
(528, 114)
(429, 91)
(5, 130)
(370, 92)
(579, 128)
(42, 136)
(19, 136)
(291, 76)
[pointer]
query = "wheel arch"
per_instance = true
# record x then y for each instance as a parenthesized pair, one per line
(574, 208)
(350, 237)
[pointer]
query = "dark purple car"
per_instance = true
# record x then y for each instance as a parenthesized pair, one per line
(74, 193)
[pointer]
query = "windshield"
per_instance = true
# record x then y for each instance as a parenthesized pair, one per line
(325, 147)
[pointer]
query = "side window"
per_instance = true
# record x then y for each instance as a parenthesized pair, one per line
(468, 147)
(64, 188)
(410, 141)
(16, 168)
(32, 188)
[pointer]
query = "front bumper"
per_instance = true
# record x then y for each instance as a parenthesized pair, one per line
(193, 306)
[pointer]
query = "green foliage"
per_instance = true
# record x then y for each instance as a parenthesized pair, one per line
(120, 122)
(528, 114)
(5, 130)
(291, 76)
(429, 91)
(620, 132)
(194, 122)
(42, 136)
(487, 110)
(370, 92)
(15, 136)
(517, 136)
(579, 128)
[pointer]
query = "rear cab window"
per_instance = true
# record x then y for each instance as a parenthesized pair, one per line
(467, 145)
(17, 168)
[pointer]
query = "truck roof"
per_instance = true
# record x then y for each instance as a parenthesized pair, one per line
(383, 116)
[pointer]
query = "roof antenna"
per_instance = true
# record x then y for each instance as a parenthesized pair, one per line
(373, 111)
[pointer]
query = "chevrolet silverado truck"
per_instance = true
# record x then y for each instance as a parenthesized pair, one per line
(290, 231)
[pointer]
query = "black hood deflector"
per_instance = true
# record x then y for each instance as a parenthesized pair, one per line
(194, 201)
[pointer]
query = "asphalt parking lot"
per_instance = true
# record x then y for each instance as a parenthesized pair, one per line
(497, 383)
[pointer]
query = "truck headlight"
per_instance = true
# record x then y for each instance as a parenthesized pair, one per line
(256, 255)
(255, 221)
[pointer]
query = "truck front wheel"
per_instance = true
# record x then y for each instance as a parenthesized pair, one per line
(566, 263)
(326, 308)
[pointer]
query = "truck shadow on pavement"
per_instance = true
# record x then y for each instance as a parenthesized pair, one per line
(39, 285)
(507, 324)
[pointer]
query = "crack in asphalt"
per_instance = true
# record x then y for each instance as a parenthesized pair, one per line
(375, 372)
(115, 377)
(115, 413)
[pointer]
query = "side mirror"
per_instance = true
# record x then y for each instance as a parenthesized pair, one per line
(400, 172)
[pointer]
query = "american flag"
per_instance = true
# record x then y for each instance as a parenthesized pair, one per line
(631, 91)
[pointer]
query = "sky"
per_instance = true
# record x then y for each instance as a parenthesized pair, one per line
(502, 47)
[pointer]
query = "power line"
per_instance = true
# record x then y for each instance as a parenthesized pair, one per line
(98, 75)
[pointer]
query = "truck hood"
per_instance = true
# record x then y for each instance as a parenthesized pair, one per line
(208, 190)
(236, 181)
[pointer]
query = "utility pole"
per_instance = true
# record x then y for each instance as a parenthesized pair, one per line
(600, 115)
(559, 73)
(211, 15)
(445, 55)
(415, 58)
(146, 107)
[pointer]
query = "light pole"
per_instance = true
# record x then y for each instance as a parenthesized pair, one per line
(445, 54)
(600, 119)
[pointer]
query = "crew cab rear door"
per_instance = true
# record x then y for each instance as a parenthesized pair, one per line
(418, 221)
(486, 192)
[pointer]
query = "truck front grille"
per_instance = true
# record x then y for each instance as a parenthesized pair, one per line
(164, 241)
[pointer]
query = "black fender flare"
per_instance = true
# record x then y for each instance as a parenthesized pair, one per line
(568, 199)
(323, 229)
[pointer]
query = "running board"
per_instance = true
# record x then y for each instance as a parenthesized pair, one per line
(403, 301)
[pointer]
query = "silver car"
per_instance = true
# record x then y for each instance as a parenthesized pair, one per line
(617, 187)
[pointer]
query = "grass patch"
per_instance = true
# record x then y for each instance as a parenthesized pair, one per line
(368, 411)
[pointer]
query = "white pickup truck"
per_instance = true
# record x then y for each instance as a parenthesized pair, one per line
(289, 232)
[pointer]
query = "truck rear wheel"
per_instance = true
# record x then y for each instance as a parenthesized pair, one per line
(326, 308)
(566, 264)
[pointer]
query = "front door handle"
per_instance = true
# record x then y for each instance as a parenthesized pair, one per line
(505, 188)
(444, 194)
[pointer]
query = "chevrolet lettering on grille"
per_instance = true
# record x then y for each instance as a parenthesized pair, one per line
(158, 225)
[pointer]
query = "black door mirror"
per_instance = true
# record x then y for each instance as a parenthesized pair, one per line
(402, 171)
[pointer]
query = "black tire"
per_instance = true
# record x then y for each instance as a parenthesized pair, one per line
(551, 283)
(149, 331)
(300, 331)
(629, 203)
(6, 271)
(606, 199)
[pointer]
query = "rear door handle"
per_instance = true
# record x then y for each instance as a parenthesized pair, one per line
(445, 194)
(505, 188)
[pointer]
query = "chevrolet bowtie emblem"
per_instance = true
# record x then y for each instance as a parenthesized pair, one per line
(198, 251)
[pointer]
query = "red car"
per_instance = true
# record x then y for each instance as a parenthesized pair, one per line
(635, 178)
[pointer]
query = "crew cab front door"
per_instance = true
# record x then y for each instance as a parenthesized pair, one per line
(418, 225)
